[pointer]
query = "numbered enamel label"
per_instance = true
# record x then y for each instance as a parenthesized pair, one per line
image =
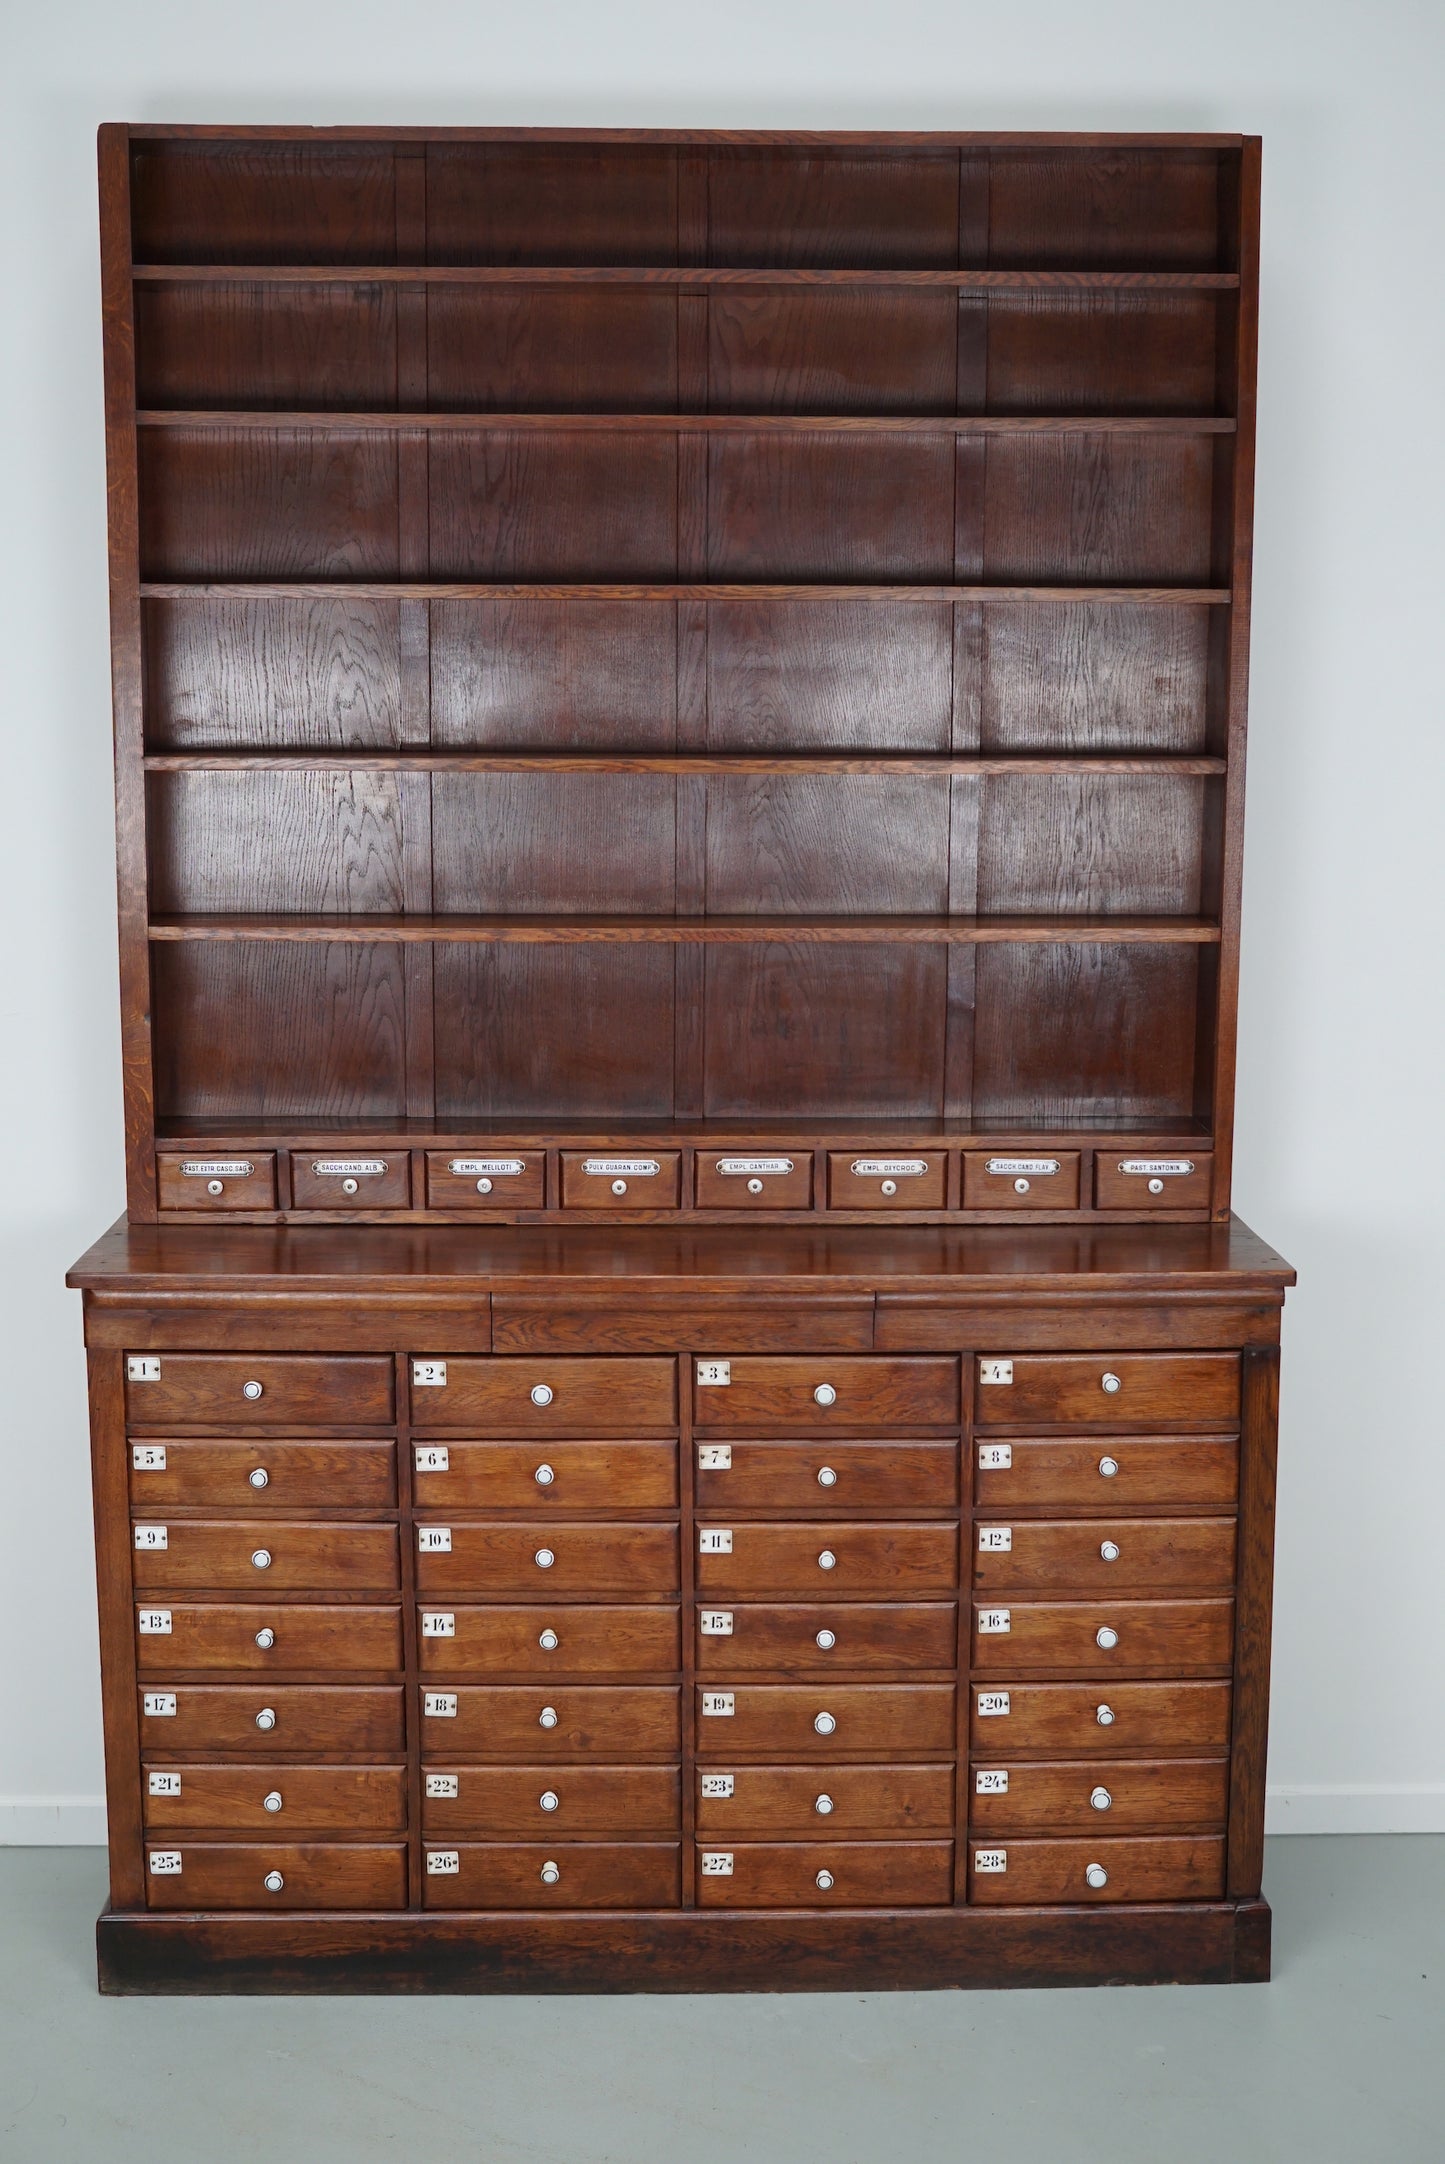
(433, 1458)
(995, 1539)
(991, 1702)
(435, 1625)
(990, 1781)
(443, 1862)
(717, 1863)
(714, 1540)
(154, 1622)
(159, 1705)
(714, 1457)
(995, 1371)
(717, 1784)
(163, 1784)
(716, 1622)
(429, 1374)
(148, 1457)
(165, 1863)
(443, 1787)
(152, 1536)
(440, 1705)
(434, 1539)
(714, 1374)
(995, 1457)
(142, 1367)
(717, 1705)
(990, 1859)
(993, 1622)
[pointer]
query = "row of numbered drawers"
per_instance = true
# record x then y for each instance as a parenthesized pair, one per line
(653, 1180)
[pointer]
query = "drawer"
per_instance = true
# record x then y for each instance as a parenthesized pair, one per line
(542, 1558)
(907, 1181)
(825, 1720)
(582, 1640)
(649, 1180)
(562, 1875)
(263, 1556)
(760, 1180)
(816, 1639)
(621, 1724)
(1167, 1867)
(351, 1183)
(857, 1476)
(266, 1800)
(216, 1183)
(1108, 1387)
(826, 1390)
(249, 1390)
(271, 1717)
(1107, 1554)
(814, 1799)
(485, 1183)
(825, 1874)
(276, 1875)
(1104, 1638)
(996, 1180)
(1153, 1183)
(835, 1558)
(543, 1394)
(550, 1803)
(266, 1637)
(521, 1476)
(1094, 1796)
(1115, 1472)
(1078, 1720)
(262, 1474)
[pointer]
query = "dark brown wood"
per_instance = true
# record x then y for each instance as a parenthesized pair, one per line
(838, 1393)
(266, 1638)
(277, 1874)
(857, 1637)
(556, 1804)
(635, 1724)
(1254, 1606)
(571, 1476)
(268, 1800)
(216, 1473)
(860, 1801)
(565, 1561)
(1111, 1473)
(1105, 1556)
(593, 1638)
(1084, 1388)
(258, 1390)
(1142, 1638)
(827, 1874)
(360, 1721)
(237, 1555)
(1118, 1796)
(573, 1875)
(1154, 1867)
(837, 1557)
(882, 1477)
(780, 1720)
(544, 1395)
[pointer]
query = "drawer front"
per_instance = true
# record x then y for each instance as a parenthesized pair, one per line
(1107, 1554)
(1087, 1720)
(277, 1875)
(544, 1395)
(193, 1181)
(1169, 1867)
(825, 1874)
(264, 1719)
(540, 1558)
(1109, 1796)
(190, 1389)
(550, 1803)
(754, 1180)
(485, 1182)
(265, 1556)
(1137, 1182)
(562, 1875)
(1114, 1472)
(1103, 1638)
(265, 1637)
(267, 1800)
(809, 1476)
(902, 1180)
(832, 1559)
(264, 1474)
(828, 1391)
(823, 1799)
(1004, 1180)
(351, 1182)
(523, 1476)
(1082, 1387)
(532, 1723)
(583, 1640)
(824, 1720)
(817, 1639)
(615, 1180)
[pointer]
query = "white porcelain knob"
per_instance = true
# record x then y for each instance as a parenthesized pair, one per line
(1104, 1715)
(825, 1640)
(827, 1477)
(1096, 1876)
(549, 1799)
(755, 1187)
(1106, 1636)
(827, 1560)
(260, 1478)
(824, 1880)
(251, 1390)
(886, 1187)
(266, 1718)
(544, 1476)
(825, 1394)
(822, 1805)
(1021, 1187)
(484, 1186)
(349, 1187)
(549, 1874)
(1156, 1187)
(273, 1882)
(272, 1802)
(548, 1641)
(824, 1723)
(1109, 1550)
(544, 1559)
(1101, 1799)
(261, 1557)
(547, 1718)
(1111, 1385)
(1108, 1467)
(541, 1394)
(619, 1187)
(215, 1187)
(266, 1638)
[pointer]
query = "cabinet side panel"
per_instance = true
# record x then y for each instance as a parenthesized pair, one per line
(117, 1627)
(1254, 1601)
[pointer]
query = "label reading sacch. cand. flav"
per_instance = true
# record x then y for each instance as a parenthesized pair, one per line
(1008, 1168)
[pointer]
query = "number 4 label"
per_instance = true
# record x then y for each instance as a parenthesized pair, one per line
(995, 1371)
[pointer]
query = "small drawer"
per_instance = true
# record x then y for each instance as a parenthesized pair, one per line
(276, 1875)
(262, 1475)
(485, 1183)
(825, 1874)
(579, 1640)
(216, 1183)
(824, 1720)
(761, 1180)
(1116, 1472)
(999, 1180)
(626, 1723)
(857, 1476)
(1087, 1720)
(1168, 1867)
(351, 1183)
(1109, 1555)
(1108, 1388)
(257, 1389)
(828, 1559)
(903, 1182)
(1103, 1638)
(523, 1476)
(823, 1799)
(543, 1394)
(825, 1390)
(550, 1803)
(647, 1180)
(273, 1717)
(1153, 1183)
(266, 1638)
(1094, 1796)
(816, 1640)
(263, 1556)
(267, 1800)
(559, 1875)
(544, 1558)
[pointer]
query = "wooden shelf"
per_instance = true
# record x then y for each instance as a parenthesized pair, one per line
(535, 1130)
(1166, 765)
(713, 424)
(693, 276)
(687, 590)
(706, 931)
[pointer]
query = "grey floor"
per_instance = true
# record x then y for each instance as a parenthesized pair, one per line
(1340, 2061)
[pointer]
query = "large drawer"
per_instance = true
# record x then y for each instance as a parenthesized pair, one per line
(211, 1472)
(265, 1637)
(811, 1639)
(276, 1875)
(578, 1640)
(825, 1720)
(1116, 1472)
(823, 1799)
(622, 1724)
(1094, 1796)
(269, 1718)
(1108, 1387)
(1077, 1720)
(888, 1477)
(1107, 1554)
(550, 1803)
(543, 1394)
(539, 1558)
(251, 1390)
(522, 1476)
(1168, 1867)
(563, 1875)
(838, 1558)
(826, 1390)
(825, 1875)
(267, 1800)
(265, 1556)
(1103, 1638)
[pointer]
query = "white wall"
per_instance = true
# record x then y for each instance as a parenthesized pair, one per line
(1340, 1151)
